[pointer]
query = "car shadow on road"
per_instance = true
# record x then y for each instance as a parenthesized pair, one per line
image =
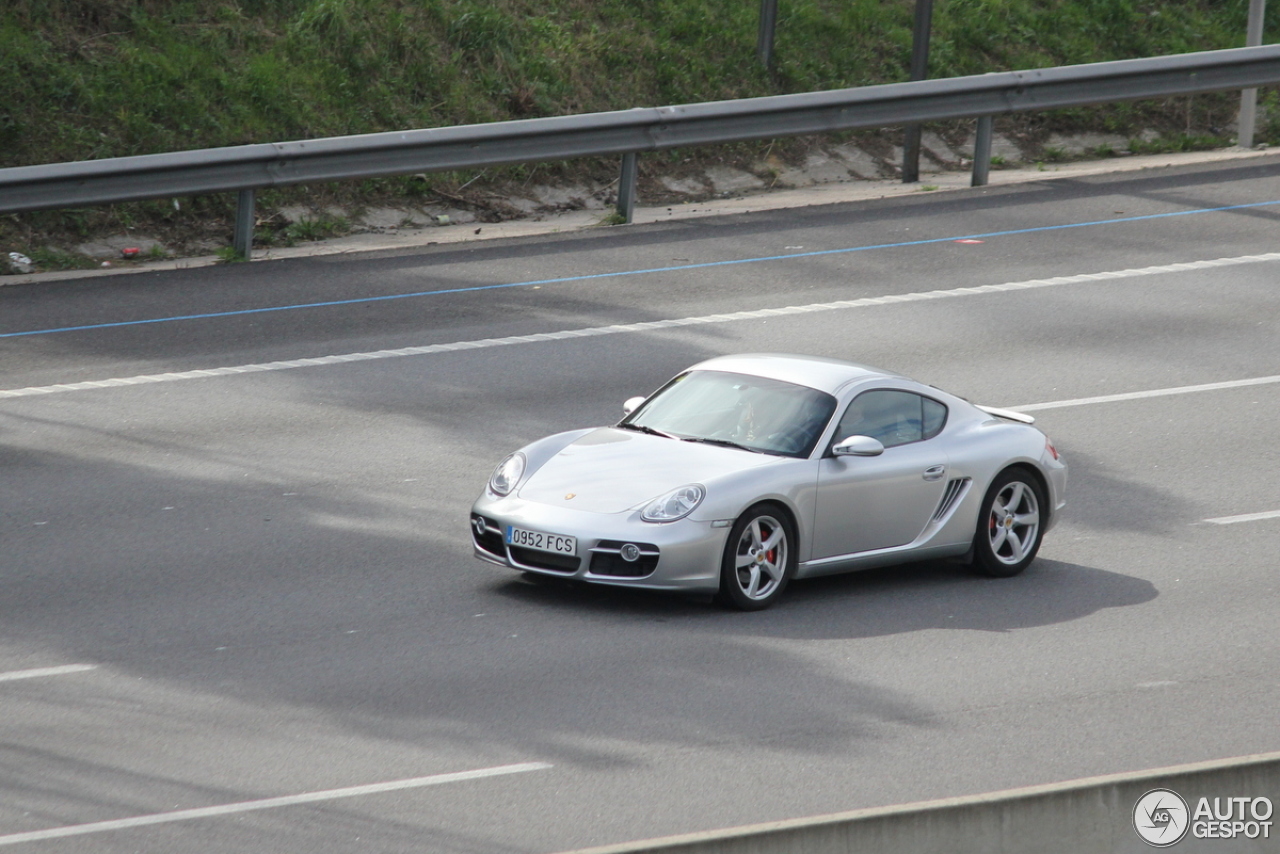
(939, 595)
(1103, 498)
(872, 603)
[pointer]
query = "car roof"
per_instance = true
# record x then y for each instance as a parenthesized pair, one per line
(829, 375)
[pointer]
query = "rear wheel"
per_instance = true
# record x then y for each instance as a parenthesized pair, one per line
(759, 559)
(1010, 525)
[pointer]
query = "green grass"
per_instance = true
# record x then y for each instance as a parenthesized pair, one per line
(98, 78)
(301, 231)
(49, 258)
(87, 79)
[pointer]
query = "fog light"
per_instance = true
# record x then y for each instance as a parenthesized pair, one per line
(630, 552)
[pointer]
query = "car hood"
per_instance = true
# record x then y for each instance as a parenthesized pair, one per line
(611, 471)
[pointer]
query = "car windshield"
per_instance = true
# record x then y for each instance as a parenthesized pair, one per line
(736, 410)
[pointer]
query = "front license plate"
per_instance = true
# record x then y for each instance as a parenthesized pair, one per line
(526, 539)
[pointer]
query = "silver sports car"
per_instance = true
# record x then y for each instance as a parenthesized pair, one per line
(744, 472)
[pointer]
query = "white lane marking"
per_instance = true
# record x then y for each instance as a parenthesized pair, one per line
(46, 671)
(268, 803)
(1246, 517)
(646, 326)
(1139, 395)
(1165, 392)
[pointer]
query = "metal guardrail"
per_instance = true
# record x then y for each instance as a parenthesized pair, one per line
(248, 168)
(1098, 815)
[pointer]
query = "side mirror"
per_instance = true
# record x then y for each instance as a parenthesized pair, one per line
(858, 446)
(631, 405)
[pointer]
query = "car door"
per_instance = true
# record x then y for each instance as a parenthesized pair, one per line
(869, 503)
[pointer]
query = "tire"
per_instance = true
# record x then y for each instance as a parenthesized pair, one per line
(759, 559)
(1010, 524)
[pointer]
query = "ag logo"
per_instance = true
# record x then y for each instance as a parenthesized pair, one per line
(1161, 818)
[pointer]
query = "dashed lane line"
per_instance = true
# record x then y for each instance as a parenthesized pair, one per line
(37, 672)
(1140, 395)
(268, 803)
(1244, 517)
(646, 326)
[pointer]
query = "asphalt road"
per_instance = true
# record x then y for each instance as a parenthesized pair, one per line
(266, 575)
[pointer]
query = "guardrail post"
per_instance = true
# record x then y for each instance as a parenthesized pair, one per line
(768, 23)
(243, 240)
(982, 152)
(911, 154)
(919, 71)
(1249, 97)
(627, 187)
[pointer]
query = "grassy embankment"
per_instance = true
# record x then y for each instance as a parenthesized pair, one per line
(88, 79)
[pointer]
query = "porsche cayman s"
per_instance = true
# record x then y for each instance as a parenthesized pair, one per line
(745, 472)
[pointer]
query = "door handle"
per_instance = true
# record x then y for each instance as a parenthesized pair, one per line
(934, 472)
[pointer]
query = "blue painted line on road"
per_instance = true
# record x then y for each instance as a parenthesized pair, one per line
(647, 271)
(670, 323)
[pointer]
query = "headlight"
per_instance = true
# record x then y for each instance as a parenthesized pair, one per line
(507, 475)
(676, 504)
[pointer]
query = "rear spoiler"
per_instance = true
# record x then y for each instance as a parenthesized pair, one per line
(1009, 414)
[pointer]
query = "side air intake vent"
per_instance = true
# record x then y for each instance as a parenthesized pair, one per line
(956, 488)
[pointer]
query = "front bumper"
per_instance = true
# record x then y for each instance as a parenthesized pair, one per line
(683, 555)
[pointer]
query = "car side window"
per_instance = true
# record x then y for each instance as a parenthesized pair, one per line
(935, 417)
(892, 417)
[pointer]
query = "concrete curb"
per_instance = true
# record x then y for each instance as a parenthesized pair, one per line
(1089, 816)
(567, 223)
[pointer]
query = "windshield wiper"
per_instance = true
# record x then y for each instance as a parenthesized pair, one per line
(724, 443)
(644, 428)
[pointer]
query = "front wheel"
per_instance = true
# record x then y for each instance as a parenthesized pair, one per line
(759, 559)
(1010, 525)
